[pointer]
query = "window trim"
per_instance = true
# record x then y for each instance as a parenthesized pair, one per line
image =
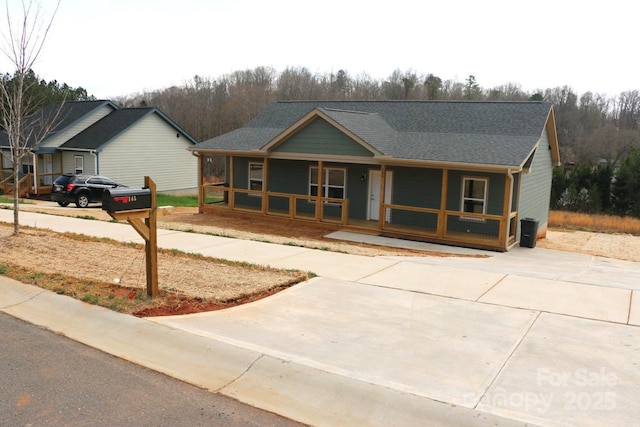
(78, 170)
(250, 179)
(313, 171)
(464, 198)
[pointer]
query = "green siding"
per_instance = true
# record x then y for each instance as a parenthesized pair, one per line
(358, 190)
(320, 137)
(420, 188)
(289, 176)
(241, 180)
(535, 187)
(417, 187)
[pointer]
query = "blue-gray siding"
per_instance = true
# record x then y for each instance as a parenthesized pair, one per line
(535, 187)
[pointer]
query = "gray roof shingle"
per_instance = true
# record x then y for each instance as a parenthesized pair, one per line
(64, 116)
(490, 133)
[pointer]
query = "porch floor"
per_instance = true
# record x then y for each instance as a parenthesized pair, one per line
(370, 239)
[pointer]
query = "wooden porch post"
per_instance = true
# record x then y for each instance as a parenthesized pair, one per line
(442, 216)
(506, 210)
(265, 185)
(231, 193)
(382, 216)
(320, 199)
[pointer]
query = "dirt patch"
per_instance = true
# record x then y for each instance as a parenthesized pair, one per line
(248, 227)
(618, 246)
(113, 274)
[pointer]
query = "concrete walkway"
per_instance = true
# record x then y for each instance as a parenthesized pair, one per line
(530, 336)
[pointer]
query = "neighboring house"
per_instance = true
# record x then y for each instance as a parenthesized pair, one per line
(459, 173)
(97, 137)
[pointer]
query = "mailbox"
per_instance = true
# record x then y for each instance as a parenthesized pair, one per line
(126, 199)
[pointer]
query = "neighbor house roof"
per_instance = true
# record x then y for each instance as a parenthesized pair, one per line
(99, 133)
(62, 116)
(488, 133)
(109, 127)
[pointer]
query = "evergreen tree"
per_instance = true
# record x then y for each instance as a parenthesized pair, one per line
(626, 187)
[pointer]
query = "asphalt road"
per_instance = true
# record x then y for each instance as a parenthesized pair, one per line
(48, 379)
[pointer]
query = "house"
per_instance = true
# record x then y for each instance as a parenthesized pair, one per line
(97, 137)
(458, 173)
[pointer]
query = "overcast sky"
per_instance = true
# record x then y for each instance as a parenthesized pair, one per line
(120, 47)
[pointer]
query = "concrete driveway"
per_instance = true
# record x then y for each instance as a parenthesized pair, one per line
(501, 335)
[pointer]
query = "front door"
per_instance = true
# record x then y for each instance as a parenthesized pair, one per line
(374, 194)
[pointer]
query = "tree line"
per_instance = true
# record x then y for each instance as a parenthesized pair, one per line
(40, 92)
(599, 135)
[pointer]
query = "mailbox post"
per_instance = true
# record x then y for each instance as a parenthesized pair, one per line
(134, 205)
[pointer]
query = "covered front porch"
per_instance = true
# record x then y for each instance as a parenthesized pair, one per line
(374, 199)
(36, 174)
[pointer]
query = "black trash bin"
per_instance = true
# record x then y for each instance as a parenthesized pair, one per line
(528, 232)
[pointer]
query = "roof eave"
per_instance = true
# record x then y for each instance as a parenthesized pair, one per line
(552, 133)
(375, 160)
(88, 150)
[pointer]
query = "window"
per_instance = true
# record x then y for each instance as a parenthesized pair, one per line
(334, 182)
(78, 162)
(27, 166)
(474, 195)
(255, 176)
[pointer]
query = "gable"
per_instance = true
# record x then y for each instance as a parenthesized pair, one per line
(321, 137)
(115, 124)
(78, 125)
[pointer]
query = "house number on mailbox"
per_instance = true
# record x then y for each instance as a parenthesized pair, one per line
(125, 199)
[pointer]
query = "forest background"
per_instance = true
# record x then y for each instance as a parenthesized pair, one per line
(599, 135)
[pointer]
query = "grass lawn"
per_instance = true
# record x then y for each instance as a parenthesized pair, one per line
(167, 200)
(4, 199)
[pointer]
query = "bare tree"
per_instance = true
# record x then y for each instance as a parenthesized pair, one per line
(22, 42)
(627, 110)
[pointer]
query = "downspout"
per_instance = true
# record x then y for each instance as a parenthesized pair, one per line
(95, 161)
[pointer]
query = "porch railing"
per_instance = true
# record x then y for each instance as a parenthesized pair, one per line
(294, 206)
(433, 224)
(25, 184)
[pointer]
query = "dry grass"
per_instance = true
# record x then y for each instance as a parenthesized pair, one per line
(84, 268)
(594, 223)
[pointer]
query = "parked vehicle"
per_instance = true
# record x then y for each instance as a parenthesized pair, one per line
(80, 189)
